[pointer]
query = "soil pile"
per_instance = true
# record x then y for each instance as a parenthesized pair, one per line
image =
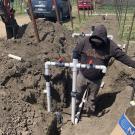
(112, 101)
(22, 102)
(131, 114)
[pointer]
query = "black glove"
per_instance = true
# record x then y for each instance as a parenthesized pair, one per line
(76, 55)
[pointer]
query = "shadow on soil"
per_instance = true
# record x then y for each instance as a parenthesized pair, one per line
(103, 102)
(21, 30)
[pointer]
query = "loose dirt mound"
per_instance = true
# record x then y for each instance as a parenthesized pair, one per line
(131, 114)
(112, 102)
(112, 106)
(22, 102)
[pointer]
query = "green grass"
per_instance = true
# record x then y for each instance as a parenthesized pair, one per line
(78, 24)
(105, 9)
(127, 27)
(20, 9)
(111, 9)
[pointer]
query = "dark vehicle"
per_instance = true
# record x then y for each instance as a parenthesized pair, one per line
(46, 8)
(1, 8)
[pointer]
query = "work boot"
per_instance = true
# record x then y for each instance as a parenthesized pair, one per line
(90, 109)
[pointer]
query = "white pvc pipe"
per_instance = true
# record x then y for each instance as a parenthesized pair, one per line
(103, 68)
(88, 34)
(78, 65)
(14, 57)
(132, 103)
(75, 65)
(102, 85)
(75, 62)
(48, 92)
(76, 34)
(48, 96)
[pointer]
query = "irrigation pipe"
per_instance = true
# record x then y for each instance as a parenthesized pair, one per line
(15, 57)
(88, 34)
(75, 66)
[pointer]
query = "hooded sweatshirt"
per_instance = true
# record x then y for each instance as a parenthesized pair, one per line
(88, 52)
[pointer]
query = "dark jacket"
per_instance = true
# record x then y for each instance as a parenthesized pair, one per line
(88, 53)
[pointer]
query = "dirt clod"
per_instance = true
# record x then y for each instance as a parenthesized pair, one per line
(22, 104)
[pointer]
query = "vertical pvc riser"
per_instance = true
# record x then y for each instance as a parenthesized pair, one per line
(75, 65)
(48, 90)
(48, 97)
(75, 61)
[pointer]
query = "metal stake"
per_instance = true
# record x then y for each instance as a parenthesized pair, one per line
(117, 15)
(56, 10)
(78, 11)
(33, 21)
(124, 19)
(84, 15)
(71, 18)
(130, 32)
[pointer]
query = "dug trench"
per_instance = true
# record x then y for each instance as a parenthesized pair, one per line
(111, 103)
(22, 102)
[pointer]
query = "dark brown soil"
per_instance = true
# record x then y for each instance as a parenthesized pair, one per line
(113, 99)
(130, 112)
(22, 102)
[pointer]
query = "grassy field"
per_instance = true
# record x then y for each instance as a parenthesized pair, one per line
(19, 7)
(102, 10)
(127, 28)
(85, 19)
(78, 23)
